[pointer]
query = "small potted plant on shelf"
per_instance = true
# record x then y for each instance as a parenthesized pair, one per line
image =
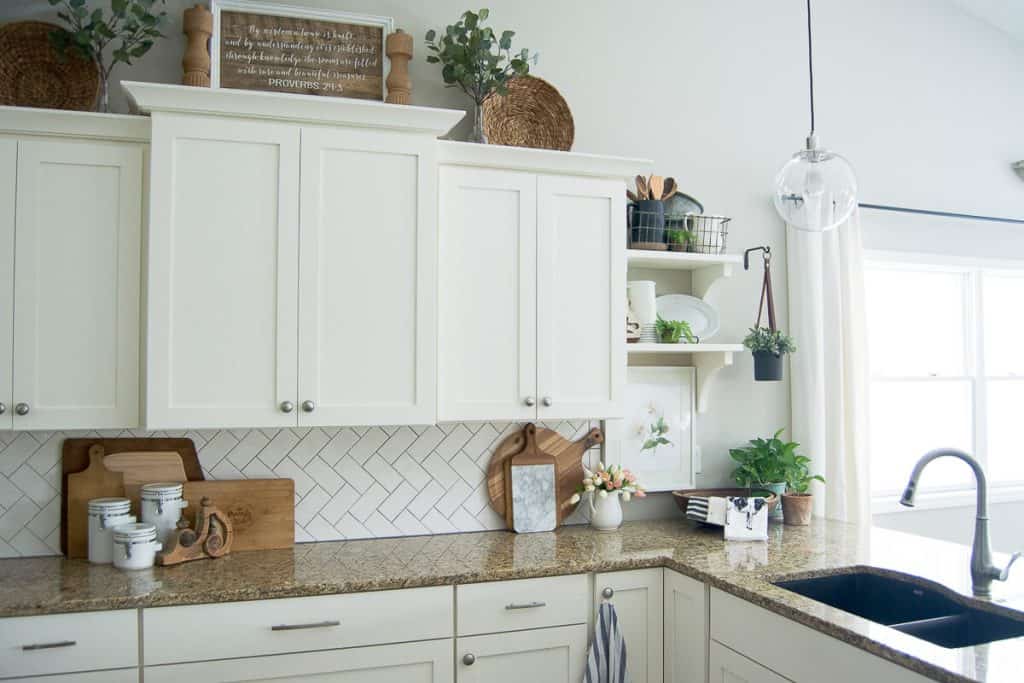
(762, 465)
(679, 240)
(768, 347)
(797, 502)
(671, 331)
(608, 487)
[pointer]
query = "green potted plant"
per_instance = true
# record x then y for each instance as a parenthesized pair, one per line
(478, 61)
(797, 501)
(135, 23)
(762, 465)
(768, 347)
(679, 240)
(671, 331)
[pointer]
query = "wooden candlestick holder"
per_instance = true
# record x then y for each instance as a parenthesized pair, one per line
(398, 48)
(197, 24)
(211, 538)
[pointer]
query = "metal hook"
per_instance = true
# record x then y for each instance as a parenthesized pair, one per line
(767, 256)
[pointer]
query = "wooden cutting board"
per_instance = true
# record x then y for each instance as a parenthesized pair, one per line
(262, 511)
(531, 482)
(75, 458)
(142, 467)
(96, 481)
(569, 467)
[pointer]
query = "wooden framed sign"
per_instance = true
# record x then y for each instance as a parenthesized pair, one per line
(261, 46)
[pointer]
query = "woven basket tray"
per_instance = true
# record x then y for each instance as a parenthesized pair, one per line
(532, 114)
(32, 74)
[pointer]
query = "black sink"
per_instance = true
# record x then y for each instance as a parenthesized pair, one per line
(881, 599)
(908, 606)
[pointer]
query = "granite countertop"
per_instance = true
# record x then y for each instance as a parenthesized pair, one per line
(48, 585)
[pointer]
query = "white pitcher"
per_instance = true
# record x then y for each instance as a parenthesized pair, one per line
(605, 512)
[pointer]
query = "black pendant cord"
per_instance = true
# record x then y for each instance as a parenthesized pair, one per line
(810, 63)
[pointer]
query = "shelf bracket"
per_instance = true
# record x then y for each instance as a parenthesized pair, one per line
(704, 279)
(708, 365)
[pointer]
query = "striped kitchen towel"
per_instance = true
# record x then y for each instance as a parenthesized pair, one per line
(707, 510)
(606, 662)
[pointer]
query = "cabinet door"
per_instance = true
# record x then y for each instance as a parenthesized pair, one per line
(637, 596)
(76, 284)
(488, 297)
(728, 666)
(686, 629)
(8, 187)
(115, 676)
(543, 655)
(223, 273)
(367, 294)
(581, 276)
(418, 662)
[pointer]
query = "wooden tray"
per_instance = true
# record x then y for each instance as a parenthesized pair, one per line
(568, 471)
(76, 459)
(682, 498)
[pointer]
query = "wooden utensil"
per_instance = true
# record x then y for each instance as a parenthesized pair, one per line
(141, 467)
(533, 487)
(75, 458)
(262, 511)
(641, 188)
(670, 188)
(568, 456)
(657, 185)
(95, 482)
(631, 196)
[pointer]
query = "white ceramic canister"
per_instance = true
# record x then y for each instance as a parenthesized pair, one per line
(104, 515)
(135, 546)
(642, 301)
(161, 506)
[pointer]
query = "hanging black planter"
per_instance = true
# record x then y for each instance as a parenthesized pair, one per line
(767, 366)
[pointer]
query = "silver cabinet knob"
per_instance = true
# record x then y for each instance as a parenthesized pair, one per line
(308, 406)
(21, 409)
(287, 406)
(607, 593)
(3, 408)
(469, 659)
(547, 401)
(530, 401)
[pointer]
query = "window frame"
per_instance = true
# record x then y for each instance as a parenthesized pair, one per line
(973, 269)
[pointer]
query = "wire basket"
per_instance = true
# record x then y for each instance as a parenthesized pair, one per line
(696, 233)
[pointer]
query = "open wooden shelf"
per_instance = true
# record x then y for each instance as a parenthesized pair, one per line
(647, 349)
(705, 269)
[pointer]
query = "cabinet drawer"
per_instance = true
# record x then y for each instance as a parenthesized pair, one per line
(65, 643)
(267, 627)
(527, 603)
(115, 676)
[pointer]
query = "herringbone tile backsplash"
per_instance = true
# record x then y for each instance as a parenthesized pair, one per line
(355, 482)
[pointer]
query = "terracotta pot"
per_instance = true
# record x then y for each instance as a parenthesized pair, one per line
(796, 508)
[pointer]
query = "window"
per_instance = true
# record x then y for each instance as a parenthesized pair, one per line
(947, 370)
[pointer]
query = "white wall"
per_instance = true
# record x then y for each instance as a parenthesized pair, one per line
(923, 99)
(957, 524)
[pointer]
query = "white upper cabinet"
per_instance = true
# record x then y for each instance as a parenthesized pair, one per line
(532, 284)
(367, 292)
(292, 259)
(223, 273)
(581, 310)
(77, 220)
(8, 189)
(488, 303)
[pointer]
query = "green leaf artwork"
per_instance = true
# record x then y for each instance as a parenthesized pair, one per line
(656, 435)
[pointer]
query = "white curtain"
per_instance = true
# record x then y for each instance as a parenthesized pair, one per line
(829, 374)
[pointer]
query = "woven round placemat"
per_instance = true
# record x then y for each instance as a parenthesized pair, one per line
(32, 74)
(532, 114)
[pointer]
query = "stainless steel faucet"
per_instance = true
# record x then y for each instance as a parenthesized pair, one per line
(983, 572)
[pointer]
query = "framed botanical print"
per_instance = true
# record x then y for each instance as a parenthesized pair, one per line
(659, 433)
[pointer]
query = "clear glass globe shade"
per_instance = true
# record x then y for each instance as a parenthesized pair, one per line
(816, 190)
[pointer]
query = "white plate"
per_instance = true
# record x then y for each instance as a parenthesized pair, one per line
(703, 318)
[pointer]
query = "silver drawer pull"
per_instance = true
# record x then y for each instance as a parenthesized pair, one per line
(300, 627)
(525, 605)
(48, 646)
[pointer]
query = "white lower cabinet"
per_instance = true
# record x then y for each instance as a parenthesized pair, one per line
(420, 662)
(542, 655)
(727, 666)
(637, 597)
(686, 629)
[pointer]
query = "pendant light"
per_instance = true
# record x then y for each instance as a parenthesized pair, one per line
(816, 190)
